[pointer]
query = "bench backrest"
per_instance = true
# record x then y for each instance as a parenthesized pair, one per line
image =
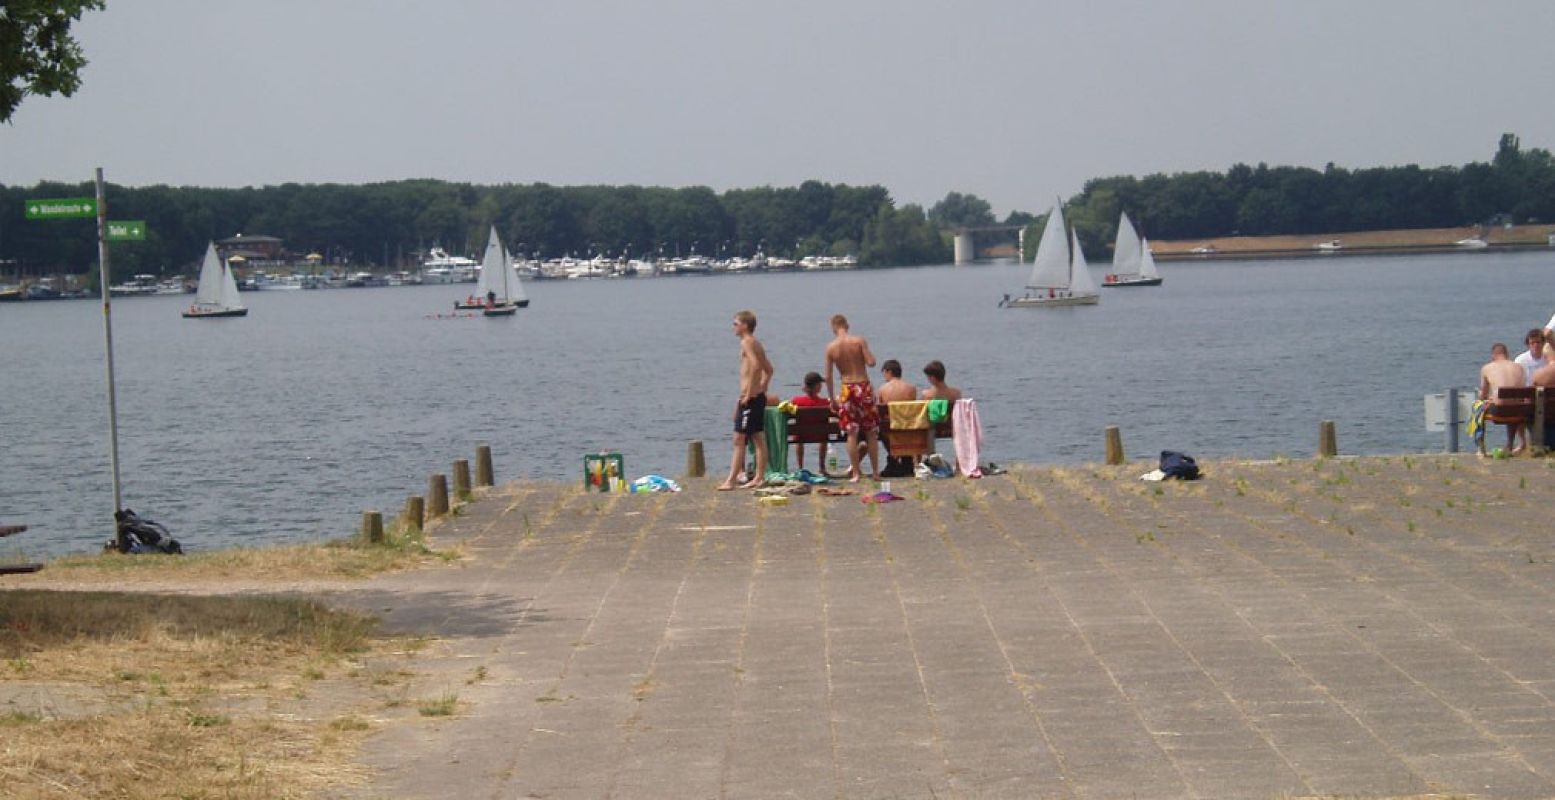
(942, 429)
(1512, 404)
(813, 425)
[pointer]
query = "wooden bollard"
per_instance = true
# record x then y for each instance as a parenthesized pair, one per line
(372, 527)
(483, 473)
(696, 464)
(437, 496)
(462, 479)
(1114, 446)
(1327, 441)
(415, 511)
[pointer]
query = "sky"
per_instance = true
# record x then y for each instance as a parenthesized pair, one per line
(1015, 101)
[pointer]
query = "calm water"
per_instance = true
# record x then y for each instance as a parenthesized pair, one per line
(285, 425)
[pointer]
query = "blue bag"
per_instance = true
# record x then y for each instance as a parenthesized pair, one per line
(1179, 465)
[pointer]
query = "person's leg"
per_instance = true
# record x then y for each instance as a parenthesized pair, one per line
(872, 440)
(735, 464)
(854, 471)
(820, 460)
(759, 474)
(798, 456)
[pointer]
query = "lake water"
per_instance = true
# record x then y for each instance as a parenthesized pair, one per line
(285, 425)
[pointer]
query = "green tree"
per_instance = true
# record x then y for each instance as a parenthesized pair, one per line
(959, 210)
(37, 53)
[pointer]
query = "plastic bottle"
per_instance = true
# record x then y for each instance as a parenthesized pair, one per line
(831, 462)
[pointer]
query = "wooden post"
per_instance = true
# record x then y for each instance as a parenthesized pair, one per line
(483, 473)
(1114, 446)
(437, 496)
(372, 527)
(415, 511)
(696, 464)
(462, 479)
(1327, 441)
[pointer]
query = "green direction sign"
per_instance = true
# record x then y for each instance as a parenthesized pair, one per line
(62, 208)
(131, 230)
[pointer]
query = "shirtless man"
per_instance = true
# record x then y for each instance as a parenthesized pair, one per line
(895, 389)
(1545, 377)
(751, 410)
(849, 355)
(935, 372)
(1500, 371)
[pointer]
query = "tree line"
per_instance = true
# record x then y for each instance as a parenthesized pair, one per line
(1515, 186)
(390, 224)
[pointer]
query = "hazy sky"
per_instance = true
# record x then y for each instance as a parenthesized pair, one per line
(1012, 100)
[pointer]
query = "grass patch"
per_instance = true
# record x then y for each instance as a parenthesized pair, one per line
(403, 547)
(195, 692)
(443, 705)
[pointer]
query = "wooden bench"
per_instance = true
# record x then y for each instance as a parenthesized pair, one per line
(1525, 405)
(814, 425)
(16, 569)
(912, 443)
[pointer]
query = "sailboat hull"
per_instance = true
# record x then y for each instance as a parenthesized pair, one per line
(1042, 301)
(220, 312)
(1114, 281)
(500, 311)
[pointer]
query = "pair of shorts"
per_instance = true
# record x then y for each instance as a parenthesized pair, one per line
(752, 415)
(857, 411)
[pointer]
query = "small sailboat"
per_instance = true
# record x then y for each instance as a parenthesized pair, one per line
(1132, 263)
(1059, 273)
(218, 292)
(499, 288)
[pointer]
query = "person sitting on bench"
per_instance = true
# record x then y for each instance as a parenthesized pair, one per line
(812, 398)
(892, 391)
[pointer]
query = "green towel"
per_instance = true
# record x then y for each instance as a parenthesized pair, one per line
(776, 431)
(939, 410)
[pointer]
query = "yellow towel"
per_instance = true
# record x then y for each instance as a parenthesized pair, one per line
(909, 415)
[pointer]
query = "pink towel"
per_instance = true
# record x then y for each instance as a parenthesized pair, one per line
(967, 435)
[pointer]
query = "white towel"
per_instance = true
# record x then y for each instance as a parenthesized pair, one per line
(967, 434)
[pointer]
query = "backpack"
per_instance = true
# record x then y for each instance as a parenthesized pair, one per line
(141, 535)
(1179, 465)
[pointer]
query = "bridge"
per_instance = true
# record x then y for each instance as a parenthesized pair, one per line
(966, 243)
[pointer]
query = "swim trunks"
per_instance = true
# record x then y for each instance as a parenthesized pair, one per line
(752, 415)
(858, 411)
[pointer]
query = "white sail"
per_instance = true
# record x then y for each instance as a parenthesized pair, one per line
(218, 289)
(496, 275)
(1050, 268)
(1147, 261)
(210, 291)
(1127, 249)
(1080, 283)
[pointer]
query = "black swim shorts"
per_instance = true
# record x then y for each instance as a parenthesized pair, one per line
(753, 415)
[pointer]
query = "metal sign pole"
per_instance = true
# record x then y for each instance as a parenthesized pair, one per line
(113, 405)
(1452, 420)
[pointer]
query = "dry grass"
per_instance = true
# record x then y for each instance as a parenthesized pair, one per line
(404, 548)
(192, 695)
(126, 695)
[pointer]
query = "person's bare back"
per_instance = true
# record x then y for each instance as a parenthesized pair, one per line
(1498, 373)
(850, 356)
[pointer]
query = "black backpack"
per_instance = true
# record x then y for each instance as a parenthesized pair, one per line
(1179, 465)
(140, 535)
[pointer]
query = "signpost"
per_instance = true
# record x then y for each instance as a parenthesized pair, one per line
(133, 230)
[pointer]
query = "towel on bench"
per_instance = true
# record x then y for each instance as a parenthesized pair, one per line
(909, 415)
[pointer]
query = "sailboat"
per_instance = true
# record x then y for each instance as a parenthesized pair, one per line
(1132, 263)
(498, 285)
(218, 292)
(1057, 277)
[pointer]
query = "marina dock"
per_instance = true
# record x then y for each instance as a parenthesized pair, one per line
(1373, 627)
